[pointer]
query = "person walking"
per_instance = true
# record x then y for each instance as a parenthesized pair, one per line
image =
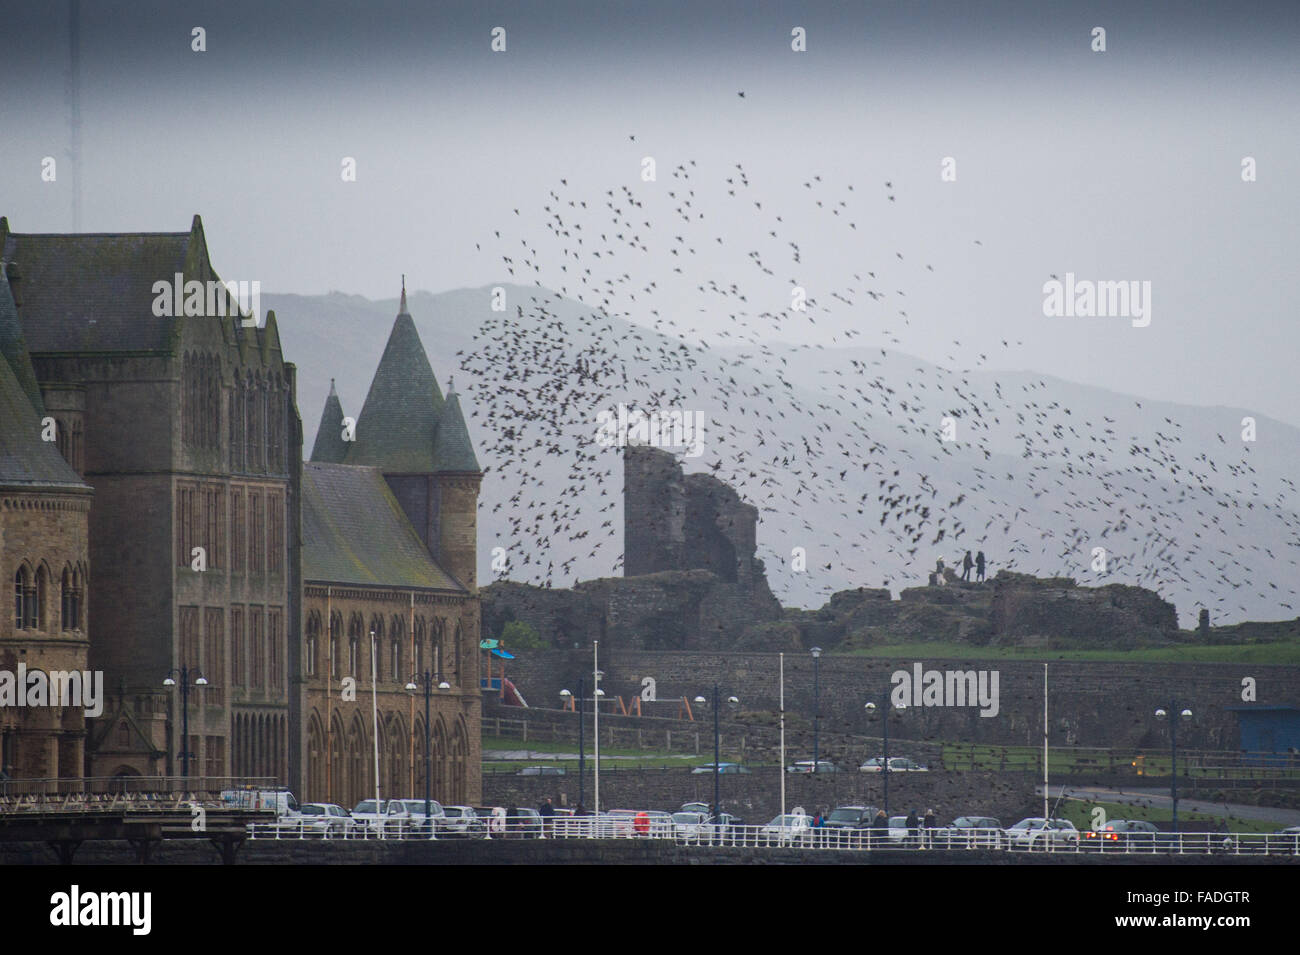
(928, 822)
(979, 566)
(966, 565)
(547, 812)
(913, 828)
(879, 829)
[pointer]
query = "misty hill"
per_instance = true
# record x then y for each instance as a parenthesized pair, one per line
(840, 449)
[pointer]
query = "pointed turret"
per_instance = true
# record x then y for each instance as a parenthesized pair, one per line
(452, 450)
(330, 446)
(396, 428)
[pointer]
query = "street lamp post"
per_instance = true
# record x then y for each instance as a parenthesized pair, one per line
(733, 702)
(185, 673)
(1186, 716)
(426, 680)
(582, 751)
(817, 701)
(884, 719)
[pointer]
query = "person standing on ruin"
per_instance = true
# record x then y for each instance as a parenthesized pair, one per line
(966, 565)
(979, 566)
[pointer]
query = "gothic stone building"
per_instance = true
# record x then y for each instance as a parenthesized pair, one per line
(390, 590)
(44, 508)
(186, 427)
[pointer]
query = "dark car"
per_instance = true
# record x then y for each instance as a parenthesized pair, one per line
(850, 817)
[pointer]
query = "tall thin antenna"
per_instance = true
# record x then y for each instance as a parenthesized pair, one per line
(74, 107)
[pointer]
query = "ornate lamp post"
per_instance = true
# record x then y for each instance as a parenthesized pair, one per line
(426, 680)
(1186, 716)
(185, 673)
(732, 702)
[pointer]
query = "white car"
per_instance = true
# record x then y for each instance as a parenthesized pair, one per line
(1039, 833)
(365, 815)
(791, 829)
(322, 819)
(897, 764)
(691, 827)
(407, 815)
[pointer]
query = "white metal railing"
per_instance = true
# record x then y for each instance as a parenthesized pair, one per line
(799, 837)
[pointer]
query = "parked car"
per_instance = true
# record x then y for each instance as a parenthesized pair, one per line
(897, 764)
(724, 769)
(898, 831)
(850, 817)
(541, 771)
(524, 823)
(691, 827)
(703, 807)
(324, 820)
(1039, 833)
(1127, 834)
(971, 832)
(365, 815)
(461, 821)
(407, 815)
(793, 828)
(806, 766)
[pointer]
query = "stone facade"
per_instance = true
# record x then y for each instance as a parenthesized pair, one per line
(186, 427)
(44, 553)
(390, 557)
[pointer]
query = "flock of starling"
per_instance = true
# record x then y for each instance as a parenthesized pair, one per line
(841, 445)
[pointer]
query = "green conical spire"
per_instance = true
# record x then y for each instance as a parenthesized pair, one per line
(453, 450)
(396, 429)
(330, 448)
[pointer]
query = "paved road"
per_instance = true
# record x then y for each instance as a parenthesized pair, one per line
(1159, 799)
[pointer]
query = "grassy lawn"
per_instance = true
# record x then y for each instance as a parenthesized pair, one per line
(1286, 651)
(1079, 812)
(1029, 759)
(642, 758)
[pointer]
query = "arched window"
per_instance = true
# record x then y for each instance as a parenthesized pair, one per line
(419, 646)
(40, 615)
(336, 628)
(457, 659)
(354, 645)
(65, 601)
(20, 598)
(313, 640)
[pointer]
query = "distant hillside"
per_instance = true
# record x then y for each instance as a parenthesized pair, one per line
(1042, 472)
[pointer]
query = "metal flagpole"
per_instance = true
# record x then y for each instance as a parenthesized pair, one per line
(781, 658)
(1045, 816)
(595, 705)
(374, 711)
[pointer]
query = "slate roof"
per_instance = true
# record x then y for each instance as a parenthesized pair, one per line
(396, 428)
(13, 346)
(26, 460)
(94, 291)
(354, 532)
(452, 449)
(330, 448)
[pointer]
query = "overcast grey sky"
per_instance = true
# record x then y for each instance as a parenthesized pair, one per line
(1117, 165)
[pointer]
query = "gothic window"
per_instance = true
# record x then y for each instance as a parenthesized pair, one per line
(313, 638)
(336, 628)
(41, 610)
(20, 598)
